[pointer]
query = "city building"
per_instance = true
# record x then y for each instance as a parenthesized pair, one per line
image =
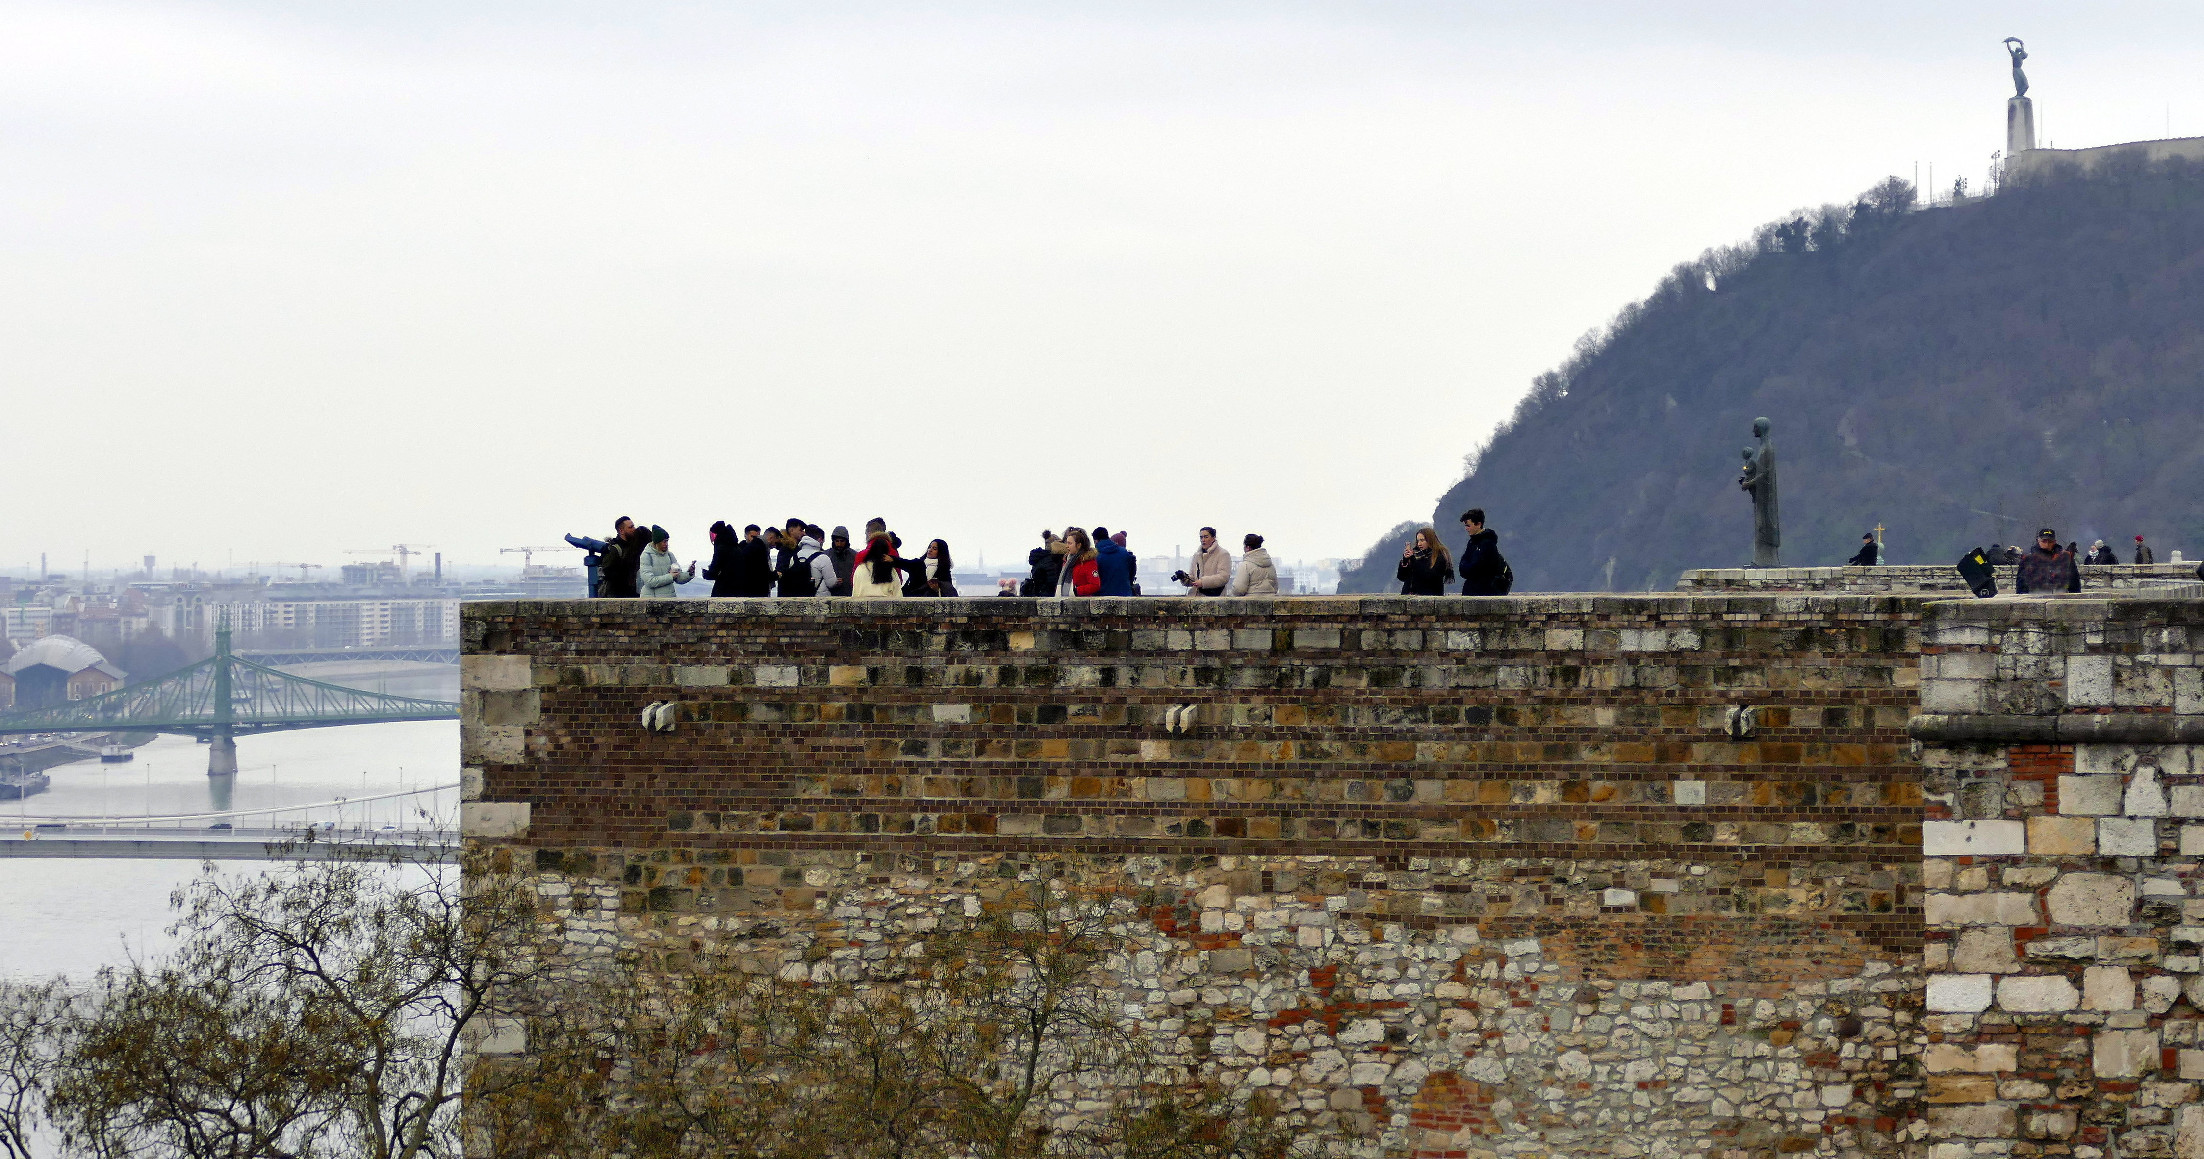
(55, 669)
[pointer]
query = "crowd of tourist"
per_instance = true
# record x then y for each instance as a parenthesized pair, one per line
(801, 559)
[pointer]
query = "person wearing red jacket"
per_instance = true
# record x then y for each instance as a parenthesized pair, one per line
(1081, 576)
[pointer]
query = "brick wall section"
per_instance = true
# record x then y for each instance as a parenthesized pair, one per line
(2065, 915)
(1451, 875)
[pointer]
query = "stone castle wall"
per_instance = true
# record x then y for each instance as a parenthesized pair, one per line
(1939, 579)
(1557, 875)
(2065, 912)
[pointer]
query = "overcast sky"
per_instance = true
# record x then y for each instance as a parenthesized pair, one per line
(282, 280)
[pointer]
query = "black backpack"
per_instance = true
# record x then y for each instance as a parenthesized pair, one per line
(1504, 579)
(798, 580)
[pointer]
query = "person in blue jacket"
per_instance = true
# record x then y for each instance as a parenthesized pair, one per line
(1114, 564)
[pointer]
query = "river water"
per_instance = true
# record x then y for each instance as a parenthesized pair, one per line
(74, 915)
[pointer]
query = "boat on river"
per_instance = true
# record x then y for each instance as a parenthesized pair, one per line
(16, 785)
(115, 754)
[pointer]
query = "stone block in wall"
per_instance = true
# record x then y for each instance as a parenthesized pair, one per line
(2091, 899)
(2145, 797)
(2107, 988)
(2089, 681)
(2090, 796)
(1959, 993)
(2062, 836)
(480, 673)
(2000, 908)
(1987, 1058)
(1973, 838)
(2036, 994)
(2127, 837)
(493, 819)
(2124, 1053)
(1985, 950)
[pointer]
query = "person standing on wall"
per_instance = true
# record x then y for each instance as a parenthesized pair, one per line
(2143, 553)
(623, 557)
(844, 558)
(2100, 554)
(1132, 563)
(1212, 568)
(1868, 555)
(1081, 575)
(809, 572)
(933, 574)
(1484, 571)
(876, 573)
(1114, 564)
(1425, 567)
(2047, 568)
(1047, 562)
(725, 570)
(659, 570)
(1257, 575)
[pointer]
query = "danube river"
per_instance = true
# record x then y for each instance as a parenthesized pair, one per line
(74, 915)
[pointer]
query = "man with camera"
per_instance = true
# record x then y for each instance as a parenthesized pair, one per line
(1212, 568)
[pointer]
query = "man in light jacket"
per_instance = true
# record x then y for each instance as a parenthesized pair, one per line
(1212, 568)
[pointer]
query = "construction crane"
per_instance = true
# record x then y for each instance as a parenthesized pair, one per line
(303, 568)
(404, 551)
(527, 554)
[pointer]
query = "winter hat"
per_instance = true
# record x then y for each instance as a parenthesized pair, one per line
(1118, 539)
(2138, 539)
(658, 534)
(841, 533)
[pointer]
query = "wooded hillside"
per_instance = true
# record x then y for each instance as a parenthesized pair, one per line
(1961, 375)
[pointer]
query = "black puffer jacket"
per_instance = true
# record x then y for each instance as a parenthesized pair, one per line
(1422, 575)
(1048, 568)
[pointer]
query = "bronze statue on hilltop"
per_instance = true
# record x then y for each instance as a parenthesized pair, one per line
(2020, 53)
(1758, 481)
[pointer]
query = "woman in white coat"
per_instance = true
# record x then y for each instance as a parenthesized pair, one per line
(1257, 576)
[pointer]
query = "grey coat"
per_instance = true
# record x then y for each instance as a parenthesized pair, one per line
(659, 572)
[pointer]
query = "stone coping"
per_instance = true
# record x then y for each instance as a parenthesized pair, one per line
(1175, 607)
(2063, 728)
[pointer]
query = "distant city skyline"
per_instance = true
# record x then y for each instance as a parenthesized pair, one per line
(286, 281)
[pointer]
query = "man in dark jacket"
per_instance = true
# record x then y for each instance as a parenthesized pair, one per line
(1047, 565)
(1113, 564)
(1481, 562)
(845, 562)
(2048, 568)
(622, 559)
(2143, 553)
(1870, 553)
(753, 565)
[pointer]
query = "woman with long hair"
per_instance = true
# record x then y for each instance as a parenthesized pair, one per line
(1425, 566)
(876, 573)
(1082, 576)
(932, 575)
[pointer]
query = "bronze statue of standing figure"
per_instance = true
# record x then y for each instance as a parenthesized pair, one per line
(1758, 481)
(2019, 52)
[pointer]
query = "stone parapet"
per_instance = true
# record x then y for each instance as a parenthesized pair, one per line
(2064, 915)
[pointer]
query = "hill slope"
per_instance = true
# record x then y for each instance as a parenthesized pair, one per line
(1961, 375)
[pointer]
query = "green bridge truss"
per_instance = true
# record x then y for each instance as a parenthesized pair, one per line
(222, 696)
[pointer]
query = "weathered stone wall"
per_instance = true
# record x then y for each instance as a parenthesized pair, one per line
(1940, 579)
(2065, 913)
(1452, 876)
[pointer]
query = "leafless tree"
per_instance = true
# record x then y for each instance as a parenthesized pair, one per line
(37, 1024)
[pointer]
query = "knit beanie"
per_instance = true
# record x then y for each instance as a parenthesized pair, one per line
(658, 534)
